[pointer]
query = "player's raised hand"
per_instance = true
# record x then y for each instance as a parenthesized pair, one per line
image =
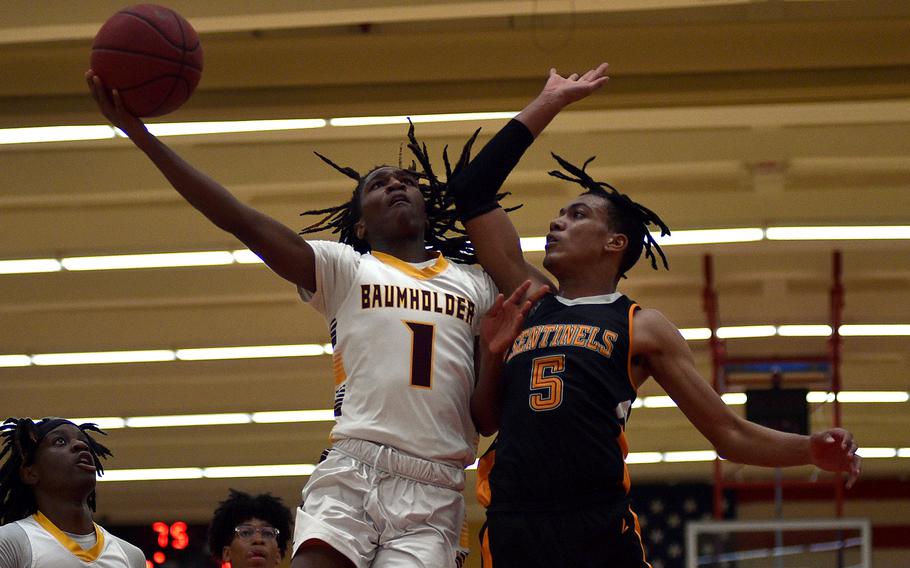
(111, 106)
(502, 322)
(835, 450)
(573, 88)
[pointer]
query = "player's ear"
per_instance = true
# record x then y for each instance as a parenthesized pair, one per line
(360, 229)
(28, 475)
(226, 554)
(616, 243)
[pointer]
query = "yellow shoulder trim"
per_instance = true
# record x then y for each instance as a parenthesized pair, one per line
(89, 555)
(434, 269)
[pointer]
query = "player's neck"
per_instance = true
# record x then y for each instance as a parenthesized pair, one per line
(571, 288)
(69, 515)
(410, 250)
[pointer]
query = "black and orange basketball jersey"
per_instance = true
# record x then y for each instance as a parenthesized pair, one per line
(567, 393)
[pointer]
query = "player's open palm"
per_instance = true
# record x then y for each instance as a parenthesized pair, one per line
(112, 108)
(574, 87)
(835, 450)
(502, 323)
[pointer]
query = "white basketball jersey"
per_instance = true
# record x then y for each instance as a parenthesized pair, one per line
(403, 337)
(52, 548)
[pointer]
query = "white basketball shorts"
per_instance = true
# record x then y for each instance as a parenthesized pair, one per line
(384, 509)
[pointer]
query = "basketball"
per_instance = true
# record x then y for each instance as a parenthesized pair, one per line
(151, 55)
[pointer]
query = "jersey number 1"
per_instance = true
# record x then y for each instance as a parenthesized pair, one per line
(546, 380)
(421, 354)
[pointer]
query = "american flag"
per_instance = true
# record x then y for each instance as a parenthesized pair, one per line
(663, 511)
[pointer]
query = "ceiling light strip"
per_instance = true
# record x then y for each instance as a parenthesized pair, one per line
(39, 134)
(328, 415)
(528, 244)
(305, 469)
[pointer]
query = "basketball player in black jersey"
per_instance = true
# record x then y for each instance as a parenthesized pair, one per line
(559, 387)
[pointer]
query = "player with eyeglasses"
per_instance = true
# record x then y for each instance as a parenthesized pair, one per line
(250, 531)
(247, 532)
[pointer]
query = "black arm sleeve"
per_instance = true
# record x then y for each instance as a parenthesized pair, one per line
(475, 188)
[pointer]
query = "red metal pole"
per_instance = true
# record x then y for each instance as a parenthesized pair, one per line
(835, 347)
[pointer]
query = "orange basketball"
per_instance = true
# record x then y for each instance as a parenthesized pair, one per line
(151, 55)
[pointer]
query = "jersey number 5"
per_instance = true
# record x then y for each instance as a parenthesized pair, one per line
(421, 354)
(545, 378)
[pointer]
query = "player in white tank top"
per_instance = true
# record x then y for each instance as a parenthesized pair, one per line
(47, 492)
(402, 415)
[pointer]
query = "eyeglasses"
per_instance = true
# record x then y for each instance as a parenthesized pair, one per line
(247, 532)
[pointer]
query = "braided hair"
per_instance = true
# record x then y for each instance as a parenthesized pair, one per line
(20, 440)
(241, 507)
(625, 216)
(445, 234)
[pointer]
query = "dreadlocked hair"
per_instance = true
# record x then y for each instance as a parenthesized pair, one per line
(20, 440)
(626, 216)
(241, 507)
(444, 235)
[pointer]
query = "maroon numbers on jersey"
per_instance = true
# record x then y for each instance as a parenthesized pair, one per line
(421, 354)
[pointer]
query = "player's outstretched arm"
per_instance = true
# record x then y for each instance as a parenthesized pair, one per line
(499, 328)
(666, 356)
(283, 250)
(495, 238)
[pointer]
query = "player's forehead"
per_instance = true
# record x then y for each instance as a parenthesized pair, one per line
(588, 201)
(384, 172)
(255, 522)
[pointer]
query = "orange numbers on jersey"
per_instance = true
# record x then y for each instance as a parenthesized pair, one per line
(546, 380)
(421, 354)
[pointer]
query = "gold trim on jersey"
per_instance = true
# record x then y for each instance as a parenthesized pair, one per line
(89, 555)
(425, 273)
(338, 368)
(641, 541)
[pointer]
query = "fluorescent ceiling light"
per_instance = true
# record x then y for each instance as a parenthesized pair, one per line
(867, 453)
(251, 352)
(690, 456)
(281, 416)
(743, 331)
(695, 333)
(419, 118)
(297, 470)
(289, 470)
(154, 474)
(804, 330)
(105, 422)
(245, 256)
(658, 402)
(54, 134)
(818, 397)
(103, 357)
(710, 236)
(838, 233)
(874, 330)
(644, 457)
(15, 360)
(157, 260)
(873, 396)
(734, 398)
(29, 266)
(533, 244)
(233, 126)
(188, 420)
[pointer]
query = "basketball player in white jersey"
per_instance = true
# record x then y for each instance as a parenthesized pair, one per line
(403, 318)
(47, 497)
